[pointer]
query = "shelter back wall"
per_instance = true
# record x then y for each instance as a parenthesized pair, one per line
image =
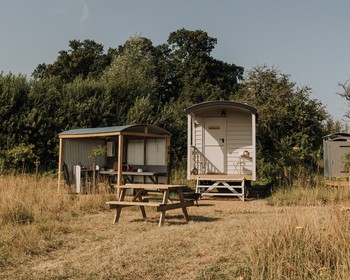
(77, 151)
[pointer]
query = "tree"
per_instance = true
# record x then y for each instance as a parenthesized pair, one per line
(85, 59)
(20, 154)
(290, 125)
(44, 118)
(133, 71)
(142, 112)
(13, 108)
(345, 94)
(88, 103)
(199, 76)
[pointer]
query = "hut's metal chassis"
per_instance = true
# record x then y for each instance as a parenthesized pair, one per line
(208, 185)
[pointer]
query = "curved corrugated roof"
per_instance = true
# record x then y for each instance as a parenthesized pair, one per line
(136, 128)
(337, 136)
(221, 103)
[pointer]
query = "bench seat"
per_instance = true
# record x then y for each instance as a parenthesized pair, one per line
(114, 204)
(160, 206)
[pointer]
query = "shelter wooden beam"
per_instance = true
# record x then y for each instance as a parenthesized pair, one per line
(89, 135)
(120, 162)
(60, 164)
(148, 135)
(167, 160)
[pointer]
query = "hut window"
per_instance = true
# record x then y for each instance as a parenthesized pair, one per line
(135, 152)
(155, 152)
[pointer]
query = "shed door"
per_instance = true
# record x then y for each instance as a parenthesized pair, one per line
(337, 152)
(215, 145)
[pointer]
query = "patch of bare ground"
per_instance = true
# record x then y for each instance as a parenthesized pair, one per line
(213, 245)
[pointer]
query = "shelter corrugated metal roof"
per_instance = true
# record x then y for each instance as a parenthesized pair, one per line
(137, 128)
(95, 130)
(223, 103)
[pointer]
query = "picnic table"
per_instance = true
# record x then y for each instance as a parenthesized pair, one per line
(141, 199)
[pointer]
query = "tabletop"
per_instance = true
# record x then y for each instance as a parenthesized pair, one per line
(143, 173)
(152, 186)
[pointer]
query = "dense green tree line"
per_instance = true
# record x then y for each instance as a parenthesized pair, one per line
(142, 83)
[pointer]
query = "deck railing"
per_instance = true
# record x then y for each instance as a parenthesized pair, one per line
(201, 165)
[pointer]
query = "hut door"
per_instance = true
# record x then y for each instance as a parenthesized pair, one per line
(215, 145)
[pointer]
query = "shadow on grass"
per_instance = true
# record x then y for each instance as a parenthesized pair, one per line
(176, 219)
(201, 204)
(180, 218)
(203, 219)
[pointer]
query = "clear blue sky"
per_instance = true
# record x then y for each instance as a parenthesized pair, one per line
(307, 39)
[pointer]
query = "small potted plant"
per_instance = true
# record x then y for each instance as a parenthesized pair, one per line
(94, 153)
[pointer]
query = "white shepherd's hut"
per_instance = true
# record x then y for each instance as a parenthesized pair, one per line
(221, 149)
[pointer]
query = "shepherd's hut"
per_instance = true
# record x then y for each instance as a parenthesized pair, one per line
(221, 148)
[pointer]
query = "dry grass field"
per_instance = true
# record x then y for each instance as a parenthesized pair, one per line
(300, 234)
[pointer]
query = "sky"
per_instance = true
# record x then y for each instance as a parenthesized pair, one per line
(306, 39)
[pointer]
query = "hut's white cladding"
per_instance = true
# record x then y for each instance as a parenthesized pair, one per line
(219, 133)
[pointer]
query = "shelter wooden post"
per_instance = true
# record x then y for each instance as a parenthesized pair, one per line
(189, 144)
(60, 164)
(167, 160)
(254, 145)
(120, 163)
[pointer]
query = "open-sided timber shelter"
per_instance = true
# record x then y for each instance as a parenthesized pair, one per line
(335, 147)
(221, 148)
(143, 148)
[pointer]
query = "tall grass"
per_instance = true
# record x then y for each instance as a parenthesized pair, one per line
(33, 215)
(307, 196)
(294, 242)
(23, 199)
(308, 191)
(301, 246)
(304, 242)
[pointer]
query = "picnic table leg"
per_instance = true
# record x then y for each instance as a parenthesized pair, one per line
(143, 211)
(182, 200)
(165, 201)
(138, 196)
(117, 213)
(118, 210)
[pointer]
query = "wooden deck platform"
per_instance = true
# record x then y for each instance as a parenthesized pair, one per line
(337, 183)
(246, 177)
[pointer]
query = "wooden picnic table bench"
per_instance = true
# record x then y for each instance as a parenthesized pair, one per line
(164, 205)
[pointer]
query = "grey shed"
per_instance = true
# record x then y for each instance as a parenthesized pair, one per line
(335, 147)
